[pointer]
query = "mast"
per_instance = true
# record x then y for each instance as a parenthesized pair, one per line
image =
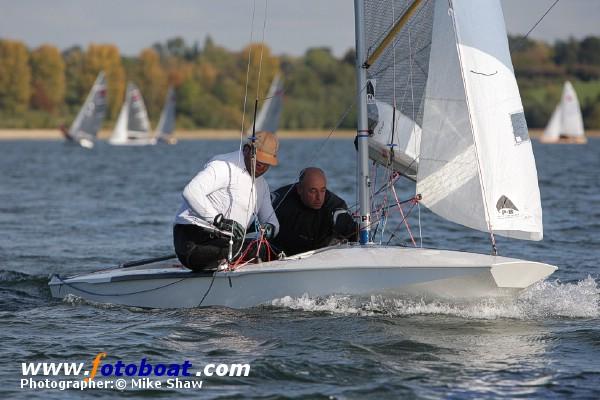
(362, 124)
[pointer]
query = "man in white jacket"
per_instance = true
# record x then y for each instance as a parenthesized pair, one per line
(225, 197)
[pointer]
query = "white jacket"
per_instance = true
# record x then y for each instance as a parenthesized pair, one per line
(224, 186)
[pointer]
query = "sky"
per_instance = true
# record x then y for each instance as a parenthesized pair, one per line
(292, 26)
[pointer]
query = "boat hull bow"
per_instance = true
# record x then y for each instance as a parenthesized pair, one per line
(346, 270)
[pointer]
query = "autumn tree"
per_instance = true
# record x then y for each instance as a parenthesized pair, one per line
(75, 91)
(105, 57)
(15, 76)
(263, 67)
(48, 79)
(152, 81)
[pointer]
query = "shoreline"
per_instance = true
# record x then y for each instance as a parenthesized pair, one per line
(213, 134)
(199, 134)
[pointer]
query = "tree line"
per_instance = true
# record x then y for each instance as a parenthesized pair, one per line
(44, 87)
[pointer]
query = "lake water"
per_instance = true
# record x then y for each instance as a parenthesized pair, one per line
(66, 210)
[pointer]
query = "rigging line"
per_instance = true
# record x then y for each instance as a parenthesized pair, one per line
(379, 39)
(421, 49)
(521, 42)
(247, 81)
(72, 286)
(393, 31)
(405, 216)
(262, 49)
(412, 96)
(253, 159)
(209, 287)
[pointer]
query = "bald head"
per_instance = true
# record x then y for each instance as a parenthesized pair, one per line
(312, 187)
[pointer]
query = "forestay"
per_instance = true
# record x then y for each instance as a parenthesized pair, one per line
(452, 75)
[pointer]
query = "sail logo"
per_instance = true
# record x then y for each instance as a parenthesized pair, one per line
(506, 208)
(371, 84)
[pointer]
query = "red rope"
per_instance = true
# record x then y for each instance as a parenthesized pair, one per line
(404, 217)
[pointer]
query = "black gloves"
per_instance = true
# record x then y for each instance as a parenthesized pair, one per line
(229, 225)
(344, 225)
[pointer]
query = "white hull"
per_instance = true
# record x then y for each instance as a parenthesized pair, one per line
(86, 143)
(563, 140)
(134, 142)
(350, 270)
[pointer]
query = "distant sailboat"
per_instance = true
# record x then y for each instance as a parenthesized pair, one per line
(566, 123)
(270, 112)
(166, 123)
(133, 126)
(84, 128)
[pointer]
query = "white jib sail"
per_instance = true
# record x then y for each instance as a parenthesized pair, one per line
(166, 123)
(476, 166)
(90, 117)
(133, 124)
(553, 128)
(270, 112)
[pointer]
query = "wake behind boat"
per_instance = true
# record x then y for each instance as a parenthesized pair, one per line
(458, 127)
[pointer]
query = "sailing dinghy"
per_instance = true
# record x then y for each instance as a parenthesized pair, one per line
(166, 123)
(84, 128)
(133, 125)
(444, 65)
(566, 123)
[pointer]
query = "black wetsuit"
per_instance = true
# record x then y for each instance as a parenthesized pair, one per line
(303, 228)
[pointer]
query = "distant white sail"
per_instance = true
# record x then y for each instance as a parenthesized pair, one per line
(133, 126)
(270, 112)
(476, 166)
(166, 123)
(89, 119)
(566, 120)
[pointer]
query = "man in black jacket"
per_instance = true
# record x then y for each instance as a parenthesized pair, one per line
(310, 216)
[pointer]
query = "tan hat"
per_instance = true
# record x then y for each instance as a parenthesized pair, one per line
(266, 145)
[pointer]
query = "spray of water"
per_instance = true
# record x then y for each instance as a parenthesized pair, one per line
(547, 299)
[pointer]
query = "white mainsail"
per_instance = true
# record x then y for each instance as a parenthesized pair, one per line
(270, 112)
(166, 123)
(566, 120)
(133, 126)
(89, 119)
